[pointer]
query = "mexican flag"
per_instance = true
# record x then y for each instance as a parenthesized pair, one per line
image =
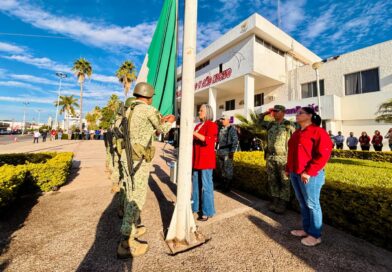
(159, 65)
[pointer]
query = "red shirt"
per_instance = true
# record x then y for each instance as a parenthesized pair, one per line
(377, 139)
(309, 150)
(204, 152)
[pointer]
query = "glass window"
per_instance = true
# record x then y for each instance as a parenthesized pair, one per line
(259, 99)
(362, 82)
(230, 105)
(310, 89)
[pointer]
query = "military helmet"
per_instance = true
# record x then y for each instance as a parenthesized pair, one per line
(129, 101)
(144, 89)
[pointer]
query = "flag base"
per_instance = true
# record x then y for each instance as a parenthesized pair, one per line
(176, 246)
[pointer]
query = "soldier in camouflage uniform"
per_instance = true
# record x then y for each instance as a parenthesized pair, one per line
(279, 133)
(144, 122)
(228, 143)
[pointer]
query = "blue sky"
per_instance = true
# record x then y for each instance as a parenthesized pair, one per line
(107, 32)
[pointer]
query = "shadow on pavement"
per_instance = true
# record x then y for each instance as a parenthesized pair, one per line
(102, 254)
(166, 206)
(75, 169)
(12, 220)
(164, 178)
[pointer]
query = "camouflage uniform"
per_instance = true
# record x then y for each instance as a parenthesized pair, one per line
(276, 155)
(145, 121)
(228, 143)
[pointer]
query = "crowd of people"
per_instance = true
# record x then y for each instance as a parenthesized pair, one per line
(296, 154)
(57, 134)
(365, 142)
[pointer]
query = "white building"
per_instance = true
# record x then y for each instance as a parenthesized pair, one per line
(71, 120)
(256, 65)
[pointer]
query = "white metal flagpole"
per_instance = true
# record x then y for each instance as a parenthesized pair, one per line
(182, 231)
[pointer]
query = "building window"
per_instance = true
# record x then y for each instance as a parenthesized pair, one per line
(230, 105)
(310, 89)
(362, 82)
(259, 99)
(220, 68)
(201, 66)
(269, 46)
(179, 79)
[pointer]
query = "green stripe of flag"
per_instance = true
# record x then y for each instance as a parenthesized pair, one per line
(162, 59)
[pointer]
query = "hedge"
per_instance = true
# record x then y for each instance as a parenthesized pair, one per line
(45, 170)
(365, 155)
(357, 195)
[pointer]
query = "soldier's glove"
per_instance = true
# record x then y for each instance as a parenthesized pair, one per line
(231, 155)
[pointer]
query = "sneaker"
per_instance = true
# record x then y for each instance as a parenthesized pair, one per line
(310, 241)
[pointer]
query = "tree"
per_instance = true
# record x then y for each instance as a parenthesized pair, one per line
(126, 74)
(385, 112)
(93, 117)
(67, 104)
(82, 68)
(108, 112)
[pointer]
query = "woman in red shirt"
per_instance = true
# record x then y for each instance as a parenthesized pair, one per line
(204, 161)
(377, 141)
(309, 150)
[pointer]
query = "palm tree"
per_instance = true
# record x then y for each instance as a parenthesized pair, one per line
(82, 68)
(113, 103)
(92, 117)
(126, 75)
(385, 112)
(67, 105)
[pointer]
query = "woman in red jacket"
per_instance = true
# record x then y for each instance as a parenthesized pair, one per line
(204, 161)
(309, 150)
(377, 141)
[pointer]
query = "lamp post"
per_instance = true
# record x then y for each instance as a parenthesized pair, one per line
(39, 115)
(61, 75)
(316, 67)
(24, 116)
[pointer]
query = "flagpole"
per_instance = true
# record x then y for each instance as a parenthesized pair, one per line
(182, 233)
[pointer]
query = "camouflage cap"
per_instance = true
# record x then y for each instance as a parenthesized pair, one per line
(279, 108)
(129, 101)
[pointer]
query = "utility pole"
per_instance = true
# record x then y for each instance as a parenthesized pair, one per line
(24, 116)
(182, 234)
(61, 75)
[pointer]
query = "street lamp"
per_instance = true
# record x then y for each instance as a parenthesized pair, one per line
(24, 116)
(316, 66)
(61, 75)
(39, 115)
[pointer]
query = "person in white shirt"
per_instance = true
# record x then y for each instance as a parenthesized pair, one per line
(36, 136)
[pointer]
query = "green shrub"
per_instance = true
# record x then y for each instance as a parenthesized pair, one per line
(365, 155)
(356, 197)
(47, 173)
(22, 158)
(11, 178)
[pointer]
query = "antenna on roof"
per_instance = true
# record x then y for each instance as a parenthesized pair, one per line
(278, 11)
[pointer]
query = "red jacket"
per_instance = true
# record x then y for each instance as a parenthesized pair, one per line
(309, 150)
(204, 152)
(377, 140)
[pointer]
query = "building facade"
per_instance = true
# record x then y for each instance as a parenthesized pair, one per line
(256, 65)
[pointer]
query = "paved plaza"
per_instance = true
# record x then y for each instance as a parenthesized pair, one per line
(77, 228)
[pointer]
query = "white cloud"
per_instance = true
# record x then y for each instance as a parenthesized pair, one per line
(10, 48)
(44, 63)
(27, 99)
(292, 14)
(18, 84)
(92, 33)
(35, 79)
(208, 33)
(103, 78)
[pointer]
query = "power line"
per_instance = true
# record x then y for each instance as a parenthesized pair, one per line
(33, 35)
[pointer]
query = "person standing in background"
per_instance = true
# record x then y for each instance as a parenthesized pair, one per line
(339, 140)
(377, 141)
(364, 141)
(352, 141)
(389, 137)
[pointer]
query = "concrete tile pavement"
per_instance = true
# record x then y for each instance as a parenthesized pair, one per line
(76, 229)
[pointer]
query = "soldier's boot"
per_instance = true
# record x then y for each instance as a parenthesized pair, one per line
(137, 248)
(281, 206)
(131, 248)
(273, 204)
(140, 231)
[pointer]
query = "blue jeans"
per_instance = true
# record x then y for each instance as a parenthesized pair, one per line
(308, 196)
(203, 178)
